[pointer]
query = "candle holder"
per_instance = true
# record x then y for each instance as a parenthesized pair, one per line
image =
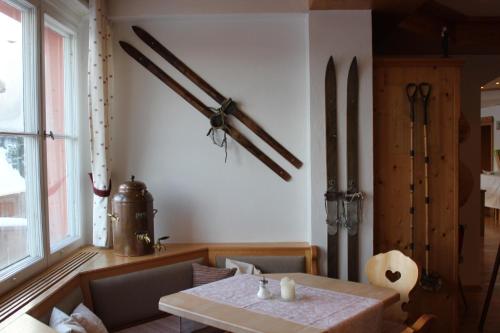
(287, 289)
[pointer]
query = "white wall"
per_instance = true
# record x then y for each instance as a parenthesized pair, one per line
(273, 66)
(342, 34)
(126, 9)
(490, 98)
(261, 62)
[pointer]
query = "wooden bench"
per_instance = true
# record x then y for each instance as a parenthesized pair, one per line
(76, 286)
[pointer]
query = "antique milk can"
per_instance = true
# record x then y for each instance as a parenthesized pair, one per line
(133, 219)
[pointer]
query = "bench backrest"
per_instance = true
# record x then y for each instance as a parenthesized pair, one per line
(133, 297)
(269, 264)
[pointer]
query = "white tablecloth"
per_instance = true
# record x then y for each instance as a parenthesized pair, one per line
(323, 309)
(491, 183)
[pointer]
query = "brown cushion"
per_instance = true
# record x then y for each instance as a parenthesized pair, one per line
(205, 274)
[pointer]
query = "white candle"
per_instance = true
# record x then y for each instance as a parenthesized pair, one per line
(287, 289)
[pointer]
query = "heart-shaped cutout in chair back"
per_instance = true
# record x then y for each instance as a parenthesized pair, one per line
(392, 276)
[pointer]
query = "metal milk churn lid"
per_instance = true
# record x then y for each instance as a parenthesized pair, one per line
(133, 219)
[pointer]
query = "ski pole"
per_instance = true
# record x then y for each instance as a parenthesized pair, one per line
(411, 92)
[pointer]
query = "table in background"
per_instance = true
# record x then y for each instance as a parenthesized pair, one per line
(490, 183)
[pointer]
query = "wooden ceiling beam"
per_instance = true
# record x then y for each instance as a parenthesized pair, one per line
(420, 33)
(476, 36)
(339, 4)
(387, 6)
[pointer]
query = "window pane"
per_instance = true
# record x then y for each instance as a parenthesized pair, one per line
(11, 68)
(59, 113)
(13, 221)
(54, 80)
(57, 182)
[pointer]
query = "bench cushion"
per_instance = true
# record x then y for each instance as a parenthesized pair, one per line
(171, 324)
(125, 299)
(269, 264)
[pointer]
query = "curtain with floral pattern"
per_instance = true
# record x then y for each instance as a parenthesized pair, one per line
(100, 94)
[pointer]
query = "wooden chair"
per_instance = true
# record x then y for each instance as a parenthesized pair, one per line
(396, 271)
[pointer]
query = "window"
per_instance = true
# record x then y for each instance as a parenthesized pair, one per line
(39, 162)
(60, 122)
(20, 208)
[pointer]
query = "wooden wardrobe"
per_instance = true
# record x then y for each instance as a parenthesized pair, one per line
(392, 175)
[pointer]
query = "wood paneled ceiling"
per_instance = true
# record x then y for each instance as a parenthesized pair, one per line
(492, 85)
(414, 26)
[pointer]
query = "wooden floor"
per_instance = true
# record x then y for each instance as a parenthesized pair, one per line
(475, 299)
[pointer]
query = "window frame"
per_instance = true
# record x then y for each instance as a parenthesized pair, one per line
(31, 84)
(71, 136)
(68, 16)
(63, 15)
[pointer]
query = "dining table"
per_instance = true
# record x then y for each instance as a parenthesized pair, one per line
(321, 304)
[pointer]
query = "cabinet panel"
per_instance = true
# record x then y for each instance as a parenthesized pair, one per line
(392, 175)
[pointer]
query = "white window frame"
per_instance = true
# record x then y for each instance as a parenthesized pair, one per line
(71, 135)
(10, 275)
(65, 16)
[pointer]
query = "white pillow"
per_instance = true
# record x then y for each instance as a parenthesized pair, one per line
(242, 267)
(63, 323)
(82, 320)
(88, 320)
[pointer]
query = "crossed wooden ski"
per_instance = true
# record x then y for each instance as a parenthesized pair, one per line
(212, 92)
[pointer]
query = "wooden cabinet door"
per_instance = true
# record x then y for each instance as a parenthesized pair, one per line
(392, 175)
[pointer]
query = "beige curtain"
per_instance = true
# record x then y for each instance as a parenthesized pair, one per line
(100, 93)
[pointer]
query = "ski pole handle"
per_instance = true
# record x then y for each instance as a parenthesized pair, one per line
(411, 92)
(425, 91)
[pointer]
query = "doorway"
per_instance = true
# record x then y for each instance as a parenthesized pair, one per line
(487, 143)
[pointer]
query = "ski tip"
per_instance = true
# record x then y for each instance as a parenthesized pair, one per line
(330, 61)
(137, 29)
(124, 45)
(129, 48)
(354, 61)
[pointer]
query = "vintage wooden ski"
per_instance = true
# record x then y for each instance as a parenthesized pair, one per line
(198, 105)
(333, 199)
(212, 92)
(353, 196)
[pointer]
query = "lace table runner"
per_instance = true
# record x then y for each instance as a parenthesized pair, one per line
(324, 309)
